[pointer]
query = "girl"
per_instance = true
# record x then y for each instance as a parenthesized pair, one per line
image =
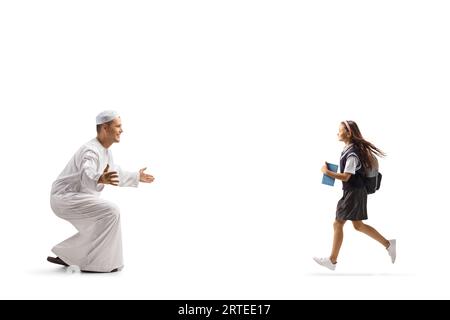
(357, 157)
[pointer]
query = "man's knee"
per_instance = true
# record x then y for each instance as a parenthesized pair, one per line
(113, 211)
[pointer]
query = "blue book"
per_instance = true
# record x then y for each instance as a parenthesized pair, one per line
(327, 179)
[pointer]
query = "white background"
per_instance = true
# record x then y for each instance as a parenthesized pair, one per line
(233, 106)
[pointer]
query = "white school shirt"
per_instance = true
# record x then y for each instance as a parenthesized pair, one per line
(352, 164)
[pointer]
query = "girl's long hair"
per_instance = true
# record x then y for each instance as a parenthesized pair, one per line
(366, 149)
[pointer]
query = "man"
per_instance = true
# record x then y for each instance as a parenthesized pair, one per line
(97, 247)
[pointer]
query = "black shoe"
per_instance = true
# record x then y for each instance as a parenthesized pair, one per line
(57, 260)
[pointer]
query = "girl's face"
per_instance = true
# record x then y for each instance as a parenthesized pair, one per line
(343, 135)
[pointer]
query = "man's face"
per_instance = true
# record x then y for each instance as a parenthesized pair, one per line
(114, 130)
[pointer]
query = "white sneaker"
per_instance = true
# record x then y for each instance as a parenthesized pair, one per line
(325, 262)
(392, 249)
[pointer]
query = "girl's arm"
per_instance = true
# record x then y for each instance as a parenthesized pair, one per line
(340, 176)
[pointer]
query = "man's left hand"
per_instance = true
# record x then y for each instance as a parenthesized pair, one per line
(143, 177)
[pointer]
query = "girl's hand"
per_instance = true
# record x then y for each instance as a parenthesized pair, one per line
(325, 169)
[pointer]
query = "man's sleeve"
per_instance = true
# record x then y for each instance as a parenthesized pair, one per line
(89, 171)
(126, 178)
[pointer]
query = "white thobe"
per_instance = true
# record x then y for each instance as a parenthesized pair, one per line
(75, 197)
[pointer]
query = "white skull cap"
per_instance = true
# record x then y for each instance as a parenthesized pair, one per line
(106, 116)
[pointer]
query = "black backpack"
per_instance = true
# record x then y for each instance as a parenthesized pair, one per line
(372, 178)
(373, 182)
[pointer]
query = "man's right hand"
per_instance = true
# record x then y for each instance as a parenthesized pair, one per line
(111, 178)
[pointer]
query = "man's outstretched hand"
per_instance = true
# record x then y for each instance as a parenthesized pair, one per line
(143, 177)
(109, 177)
